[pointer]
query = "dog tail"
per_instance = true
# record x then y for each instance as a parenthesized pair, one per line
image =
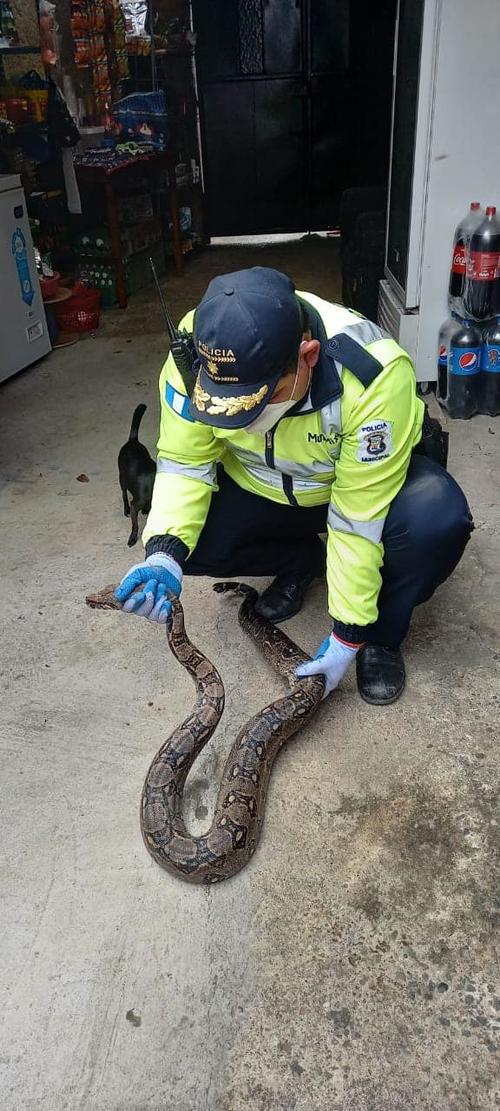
(136, 420)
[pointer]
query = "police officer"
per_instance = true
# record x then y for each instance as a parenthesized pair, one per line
(304, 420)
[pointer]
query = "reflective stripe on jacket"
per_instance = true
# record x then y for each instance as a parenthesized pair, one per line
(347, 443)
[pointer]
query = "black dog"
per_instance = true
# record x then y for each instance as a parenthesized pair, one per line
(137, 474)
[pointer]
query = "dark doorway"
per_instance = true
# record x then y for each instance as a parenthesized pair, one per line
(295, 99)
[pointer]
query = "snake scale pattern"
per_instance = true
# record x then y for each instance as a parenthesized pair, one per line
(239, 812)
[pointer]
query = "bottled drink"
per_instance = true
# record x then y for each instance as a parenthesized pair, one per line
(489, 377)
(482, 275)
(464, 362)
(445, 331)
(461, 240)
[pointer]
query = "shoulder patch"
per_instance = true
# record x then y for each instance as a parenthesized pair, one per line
(344, 349)
(179, 402)
(375, 441)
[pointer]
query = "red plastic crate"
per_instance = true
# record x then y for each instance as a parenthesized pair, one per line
(80, 313)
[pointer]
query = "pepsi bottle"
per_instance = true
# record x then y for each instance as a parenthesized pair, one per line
(445, 332)
(461, 240)
(464, 361)
(482, 274)
(489, 377)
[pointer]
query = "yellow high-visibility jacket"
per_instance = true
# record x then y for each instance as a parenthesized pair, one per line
(349, 445)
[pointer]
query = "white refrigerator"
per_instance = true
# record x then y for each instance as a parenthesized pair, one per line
(445, 153)
(23, 327)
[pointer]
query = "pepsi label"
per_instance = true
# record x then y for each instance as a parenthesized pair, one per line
(443, 355)
(490, 358)
(464, 360)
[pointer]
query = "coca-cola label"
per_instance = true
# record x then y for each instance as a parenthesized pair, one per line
(465, 360)
(490, 358)
(458, 262)
(482, 266)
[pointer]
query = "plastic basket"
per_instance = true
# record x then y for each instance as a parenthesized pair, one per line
(80, 313)
(49, 286)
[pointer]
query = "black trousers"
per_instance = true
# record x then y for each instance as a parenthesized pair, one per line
(426, 531)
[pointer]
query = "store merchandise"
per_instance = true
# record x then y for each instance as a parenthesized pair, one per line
(481, 296)
(96, 242)
(23, 100)
(117, 43)
(48, 34)
(8, 29)
(16, 108)
(108, 157)
(134, 207)
(141, 238)
(138, 268)
(100, 45)
(36, 91)
(101, 275)
(185, 218)
(489, 377)
(445, 332)
(461, 241)
(464, 361)
(144, 116)
(135, 14)
(468, 360)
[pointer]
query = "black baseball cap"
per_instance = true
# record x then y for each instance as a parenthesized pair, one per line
(247, 329)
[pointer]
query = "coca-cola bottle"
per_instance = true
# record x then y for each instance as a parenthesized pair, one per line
(461, 240)
(482, 275)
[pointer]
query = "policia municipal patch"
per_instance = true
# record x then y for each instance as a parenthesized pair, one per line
(375, 441)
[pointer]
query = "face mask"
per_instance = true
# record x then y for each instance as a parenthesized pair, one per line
(272, 413)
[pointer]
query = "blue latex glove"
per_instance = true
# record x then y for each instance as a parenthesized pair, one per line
(331, 660)
(159, 575)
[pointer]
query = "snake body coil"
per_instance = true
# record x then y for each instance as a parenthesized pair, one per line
(239, 811)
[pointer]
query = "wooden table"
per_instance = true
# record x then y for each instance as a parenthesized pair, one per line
(107, 177)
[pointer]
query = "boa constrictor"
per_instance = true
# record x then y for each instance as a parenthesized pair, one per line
(239, 811)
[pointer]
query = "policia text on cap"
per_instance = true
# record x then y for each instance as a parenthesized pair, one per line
(304, 419)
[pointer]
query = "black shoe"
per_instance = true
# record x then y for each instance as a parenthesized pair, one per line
(380, 673)
(283, 598)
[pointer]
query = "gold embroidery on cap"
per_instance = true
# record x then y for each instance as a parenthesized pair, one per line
(229, 406)
(200, 397)
(213, 371)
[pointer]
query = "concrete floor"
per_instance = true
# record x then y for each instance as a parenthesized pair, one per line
(352, 966)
